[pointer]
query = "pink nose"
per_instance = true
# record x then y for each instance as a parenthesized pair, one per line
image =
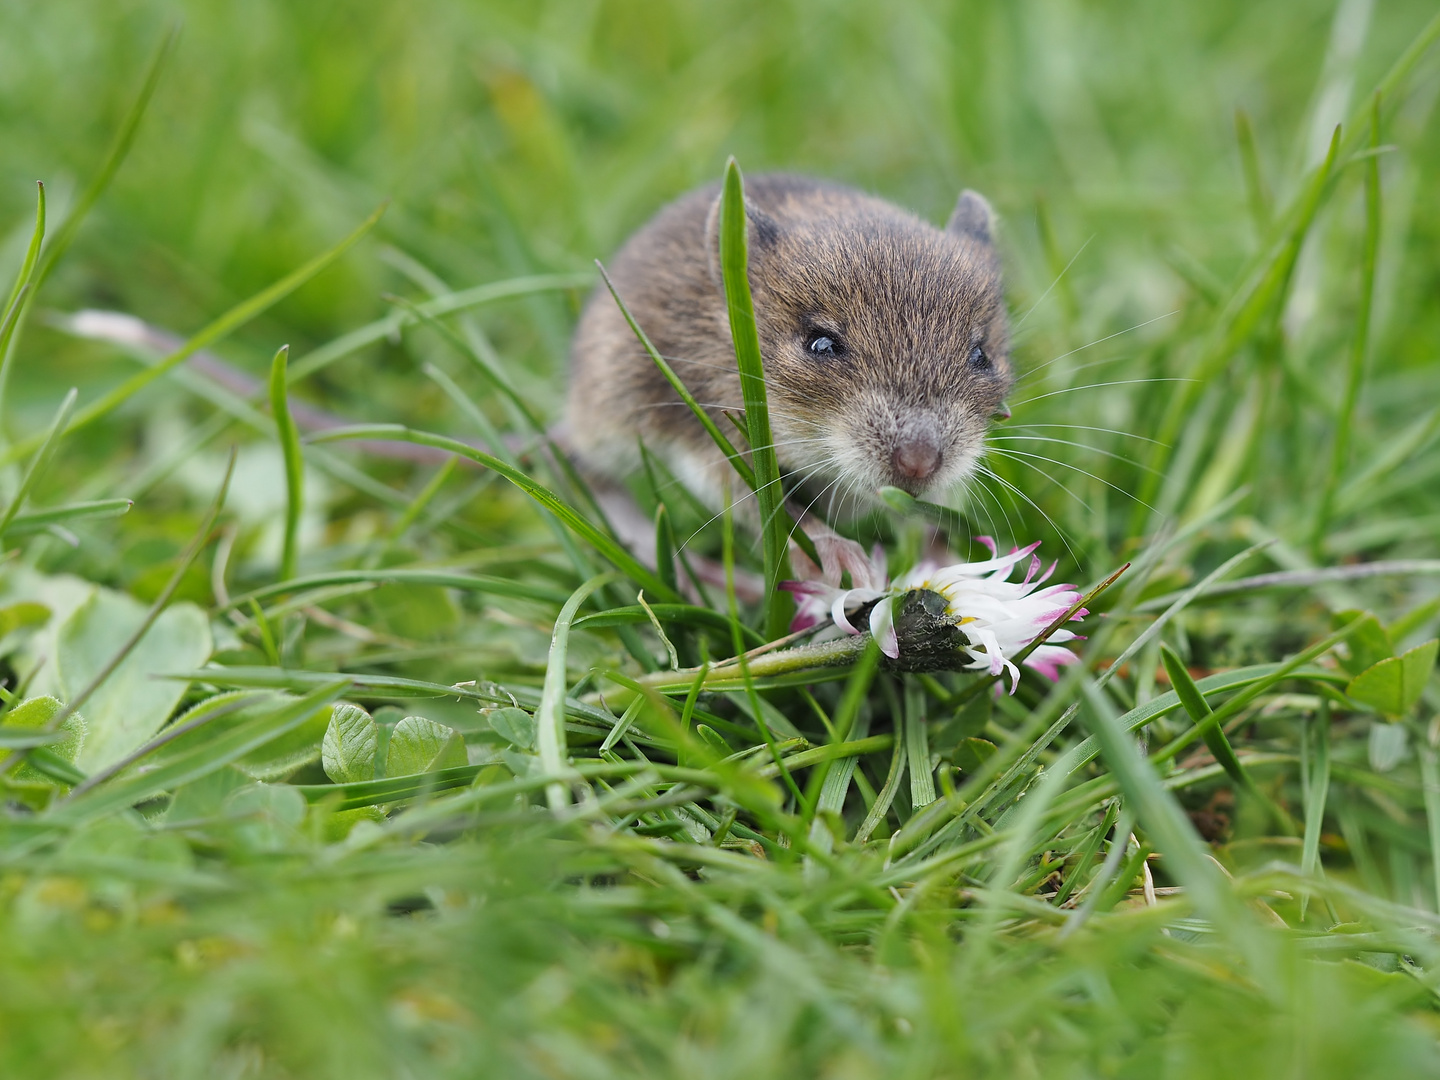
(916, 457)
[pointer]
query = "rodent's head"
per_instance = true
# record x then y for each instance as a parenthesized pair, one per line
(885, 341)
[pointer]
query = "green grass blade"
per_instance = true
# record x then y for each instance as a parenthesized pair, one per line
(464, 300)
(60, 242)
(55, 515)
(130, 788)
(727, 448)
(769, 495)
(1202, 715)
(1430, 778)
(1164, 820)
(492, 374)
(550, 717)
(41, 459)
(1359, 344)
(1260, 293)
(1317, 793)
(886, 796)
(1179, 605)
(1257, 194)
(1282, 671)
(604, 545)
(1241, 679)
(289, 437)
(393, 789)
(445, 579)
(19, 299)
(32, 254)
(917, 749)
(225, 324)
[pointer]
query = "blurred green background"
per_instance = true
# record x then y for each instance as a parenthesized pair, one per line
(516, 137)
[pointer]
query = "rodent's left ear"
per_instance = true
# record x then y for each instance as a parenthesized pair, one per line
(760, 236)
(973, 218)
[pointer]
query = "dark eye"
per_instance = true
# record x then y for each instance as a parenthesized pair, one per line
(979, 359)
(823, 345)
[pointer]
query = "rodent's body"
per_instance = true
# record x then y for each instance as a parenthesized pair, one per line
(884, 341)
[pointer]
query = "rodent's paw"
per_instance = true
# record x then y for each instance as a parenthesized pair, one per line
(837, 555)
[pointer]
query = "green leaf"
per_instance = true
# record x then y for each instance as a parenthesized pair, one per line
(1393, 686)
(351, 739)
(34, 714)
(20, 615)
(276, 758)
(418, 745)
(201, 759)
(1368, 645)
(972, 753)
(131, 704)
(515, 726)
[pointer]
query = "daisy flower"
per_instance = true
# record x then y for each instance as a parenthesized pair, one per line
(996, 616)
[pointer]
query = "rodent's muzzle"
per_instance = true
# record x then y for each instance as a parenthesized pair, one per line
(915, 459)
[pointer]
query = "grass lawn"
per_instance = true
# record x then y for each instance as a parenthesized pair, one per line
(375, 754)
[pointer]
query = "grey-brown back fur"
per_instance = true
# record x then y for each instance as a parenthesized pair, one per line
(908, 303)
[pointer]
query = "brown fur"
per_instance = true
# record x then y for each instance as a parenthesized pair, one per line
(909, 302)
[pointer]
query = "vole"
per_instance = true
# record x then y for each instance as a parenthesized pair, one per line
(885, 343)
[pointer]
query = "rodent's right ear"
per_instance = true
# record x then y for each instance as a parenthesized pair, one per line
(761, 235)
(973, 218)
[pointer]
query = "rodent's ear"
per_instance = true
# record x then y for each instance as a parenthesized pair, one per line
(761, 235)
(973, 218)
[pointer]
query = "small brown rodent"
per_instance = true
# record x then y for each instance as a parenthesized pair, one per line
(885, 343)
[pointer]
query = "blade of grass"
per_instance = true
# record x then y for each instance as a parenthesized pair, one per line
(32, 253)
(1169, 829)
(54, 515)
(727, 527)
(857, 686)
(1259, 293)
(225, 324)
(1360, 343)
(886, 796)
(1200, 588)
(1430, 777)
(464, 300)
(60, 242)
(1232, 707)
(40, 461)
(737, 462)
(214, 754)
(289, 437)
(1202, 715)
(18, 302)
(1316, 794)
(769, 496)
(550, 717)
(604, 545)
(495, 586)
(917, 748)
(1256, 192)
